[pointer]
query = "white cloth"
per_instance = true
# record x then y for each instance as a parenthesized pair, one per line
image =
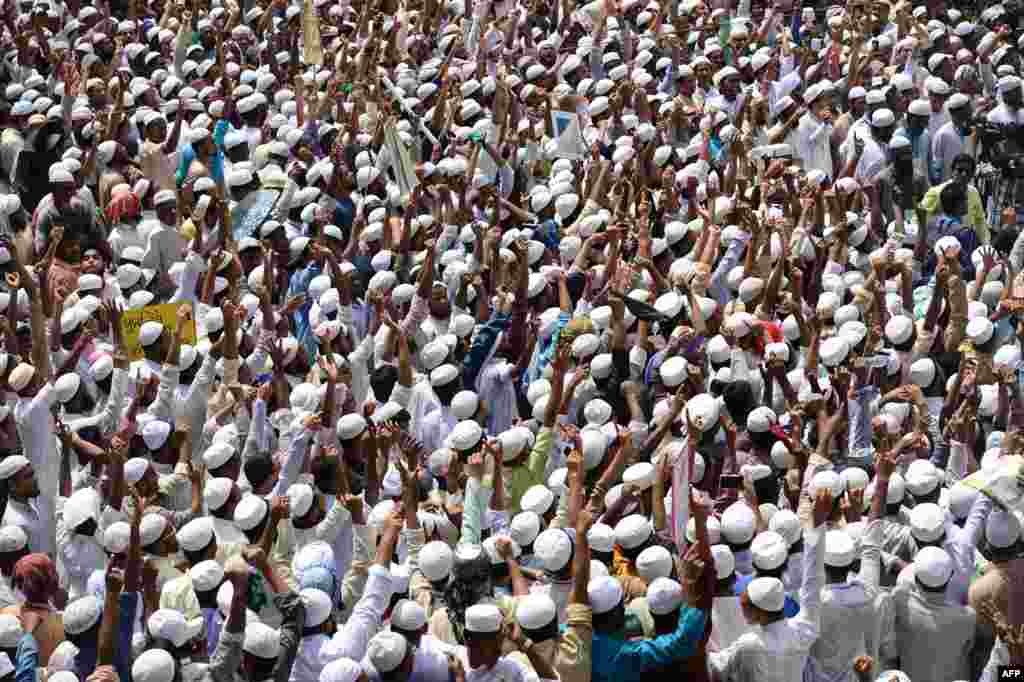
(778, 652)
(35, 425)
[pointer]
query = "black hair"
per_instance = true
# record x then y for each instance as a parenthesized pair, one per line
(739, 400)
(446, 393)
(837, 574)
(470, 581)
(383, 381)
(207, 598)
(263, 668)
(544, 633)
(952, 197)
(666, 622)
(258, 469)
(965, 158)
(610, 621)
(200, 554)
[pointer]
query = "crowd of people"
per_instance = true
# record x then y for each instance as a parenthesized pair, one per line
(497, 341)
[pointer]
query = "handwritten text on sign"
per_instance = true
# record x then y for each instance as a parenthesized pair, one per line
(166, 314)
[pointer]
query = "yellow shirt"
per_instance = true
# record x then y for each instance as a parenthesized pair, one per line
(931, 204)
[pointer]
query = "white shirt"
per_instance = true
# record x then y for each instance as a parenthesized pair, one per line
(309, 659)
(35, 425)
(814, 138)
(351, 640)
(28, 517)
(848, 617)
(778, 651)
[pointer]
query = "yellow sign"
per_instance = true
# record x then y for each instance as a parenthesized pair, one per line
(166, 314)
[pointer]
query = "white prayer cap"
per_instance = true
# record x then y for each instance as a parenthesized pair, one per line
(787, 524)
(601, 366)
(899, 328)
(250, 512)
(703, 410)
(535, 611)
(553, 548)
(894, 675)
(933, 567)
(854, 478)
(464, 404)
(840, 550)
(466, 435)
(664, 596)
(979, 330)
(206, 575)
(301, 499)
(922, 477)
(62, 663)
(82, 614)
(538, 499)
(605, 593)
(341, 670)
(154, 665)
(436, 560)
(171, 625)
(525, 527)
(261, 641)
(767, 593)
(761, 419)
(20, 377)
(827, 480)
(927, 522)
(738, 524)
(196, 534)
(640, 475)
(769, 550)
(513, 442)
(318, 606)
(117, 537)
(152, 528)
(11, 465)
(350, 426)
(654, 562)
(216, 492)
(12, 539)
(725, 562)
(66, 387)
(149, 332)
(632, 531)
(961, 498)
(483, 619)
(155, 433)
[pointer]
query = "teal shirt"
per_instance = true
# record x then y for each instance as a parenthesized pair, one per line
(617, 660)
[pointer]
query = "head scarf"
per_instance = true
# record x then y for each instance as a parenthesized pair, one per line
(124, 205)
(36, 576)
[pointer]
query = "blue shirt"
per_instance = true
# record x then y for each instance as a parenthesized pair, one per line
(28, 659)
(299, 284)
(344, 212)
(618, 660)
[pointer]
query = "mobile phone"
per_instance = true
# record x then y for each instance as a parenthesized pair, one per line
(730, 481)
(816, 44)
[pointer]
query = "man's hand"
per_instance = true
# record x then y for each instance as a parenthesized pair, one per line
(475, 466)
(503, 546)
(279, 509)
(236, 570)
(822, 507)
(253, 555)
(114, 580)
